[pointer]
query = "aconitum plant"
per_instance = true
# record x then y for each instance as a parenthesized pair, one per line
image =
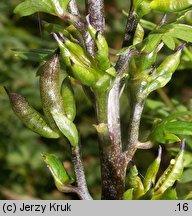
(82, 51)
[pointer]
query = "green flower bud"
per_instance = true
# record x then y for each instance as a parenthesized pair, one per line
(82, 67)
(57, 170)
(76, 50)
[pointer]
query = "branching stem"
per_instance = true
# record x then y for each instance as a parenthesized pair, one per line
(82, 189)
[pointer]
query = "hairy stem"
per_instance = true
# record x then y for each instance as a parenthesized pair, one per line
(79, 23)
(73, 9)
(136, 111)
(75, 190)
(130, 28)
(76, 17)
(123, 60)
(80, 175)
(112, 169)
(95, 9)
(133, 133)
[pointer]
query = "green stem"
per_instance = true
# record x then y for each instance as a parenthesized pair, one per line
(101, 106)
(147, 24)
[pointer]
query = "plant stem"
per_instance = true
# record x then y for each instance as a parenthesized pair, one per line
(79, 23)
(123, 60)
(112, 169)
(131, 26)
(73, 8)
(73, 189)
(114, 117)
(135, 118)
(77, 20)
(133, 133)
(95, 9)
(80, 175)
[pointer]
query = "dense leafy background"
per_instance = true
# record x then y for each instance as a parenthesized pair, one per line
(23, 174)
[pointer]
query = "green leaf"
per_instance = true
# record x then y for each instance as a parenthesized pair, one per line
(123, 51)
(171, 137)
(37, 55)
(159, 134)
(167, 33)
(189, 196)
(181, 31)
(52, 27)
(70, 32)
(54, 7)
(186, 177)
(178, 115)
(179, 127)
(187, 158)
(172, 174)
(167, 130)
(150, 42)
(169, 41)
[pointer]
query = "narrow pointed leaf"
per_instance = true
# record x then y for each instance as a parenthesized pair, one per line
(169, 41)
(54, 7)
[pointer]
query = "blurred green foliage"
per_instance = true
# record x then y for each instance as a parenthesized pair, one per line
(23, 174)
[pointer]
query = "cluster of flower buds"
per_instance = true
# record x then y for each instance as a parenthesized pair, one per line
(92, 71)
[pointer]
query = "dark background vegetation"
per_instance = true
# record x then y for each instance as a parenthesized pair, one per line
(23, 175)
